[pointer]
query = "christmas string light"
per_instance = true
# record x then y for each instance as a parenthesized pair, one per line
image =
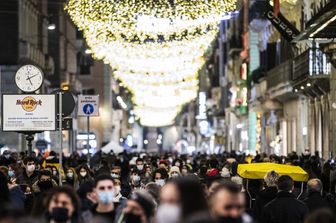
(156, 47)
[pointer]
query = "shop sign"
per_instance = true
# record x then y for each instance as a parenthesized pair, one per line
(286, 29)
(33, 112)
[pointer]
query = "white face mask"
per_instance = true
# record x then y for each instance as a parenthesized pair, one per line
(83, 173)
(54, 172)
(174, 175)
(160, 182)
(136, 178)
(168, 213)
(140, 167)
(105, 197)
(31, 168)
(114, 176)
(70, 175)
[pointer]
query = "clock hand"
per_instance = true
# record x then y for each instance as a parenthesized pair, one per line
(30, 82)
(30, 77)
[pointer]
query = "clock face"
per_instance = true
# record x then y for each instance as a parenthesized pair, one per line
(29, 78)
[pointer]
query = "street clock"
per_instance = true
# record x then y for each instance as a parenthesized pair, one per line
(29, 78)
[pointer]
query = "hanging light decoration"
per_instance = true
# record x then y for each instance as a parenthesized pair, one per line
(140, 20)
(157, 47)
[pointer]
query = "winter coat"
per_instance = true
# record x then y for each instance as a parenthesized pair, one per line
(315, 201)
(285, 208)
(88, 216)
(17, 197)
(36, 188)
(28, 180)
(263, 197)
(6, 162)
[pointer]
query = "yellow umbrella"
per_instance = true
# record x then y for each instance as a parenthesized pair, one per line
(259, 170)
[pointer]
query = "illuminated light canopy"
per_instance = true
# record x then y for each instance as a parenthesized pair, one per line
(149, 19)
(156, 47)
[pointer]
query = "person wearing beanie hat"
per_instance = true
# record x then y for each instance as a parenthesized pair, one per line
(139, 209)
(174, 172)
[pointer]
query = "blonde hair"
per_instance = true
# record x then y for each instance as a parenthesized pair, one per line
(271, 178)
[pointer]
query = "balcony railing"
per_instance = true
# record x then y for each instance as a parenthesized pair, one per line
(311, 63)
(281, 74)
(30, 52)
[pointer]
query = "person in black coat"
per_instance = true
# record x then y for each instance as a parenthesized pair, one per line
(29, 174)
(267, 194)
(6, 158)
(285, 207)
(314, 199)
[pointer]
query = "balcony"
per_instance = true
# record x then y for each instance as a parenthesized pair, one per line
(312, 63)
(311, 72)
(279, 82)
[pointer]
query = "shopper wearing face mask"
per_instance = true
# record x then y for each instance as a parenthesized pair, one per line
(29, 174)
(12, 173)
(160, 176)
(227, 204)
(139, 209)
(174, 172)
(55, 173)
(144, 172)
(180, 198)
(71, 178)
(84, 174)
(106, 207)
(44, 183)
(116, 172)
(118, 196)
(140, 165)
(15, 195)
(41, 188)
(135, 180)
(62, 206)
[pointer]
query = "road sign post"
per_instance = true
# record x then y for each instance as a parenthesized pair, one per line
(60, 118)
(88, 105)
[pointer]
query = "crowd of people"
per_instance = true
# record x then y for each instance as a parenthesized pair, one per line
(167, 188)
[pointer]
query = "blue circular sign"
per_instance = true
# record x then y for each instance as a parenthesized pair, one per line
(88, 109)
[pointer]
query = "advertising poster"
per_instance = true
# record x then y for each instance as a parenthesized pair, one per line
(33, 112)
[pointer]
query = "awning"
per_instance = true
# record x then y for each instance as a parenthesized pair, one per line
(322, 25)
(258, 171)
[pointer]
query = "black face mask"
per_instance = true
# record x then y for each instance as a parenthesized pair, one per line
(132, 218)
(229, 220)
(45, 185)
(59, 215)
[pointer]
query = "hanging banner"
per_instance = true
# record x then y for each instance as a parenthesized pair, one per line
(285, 28)
(28, 112)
